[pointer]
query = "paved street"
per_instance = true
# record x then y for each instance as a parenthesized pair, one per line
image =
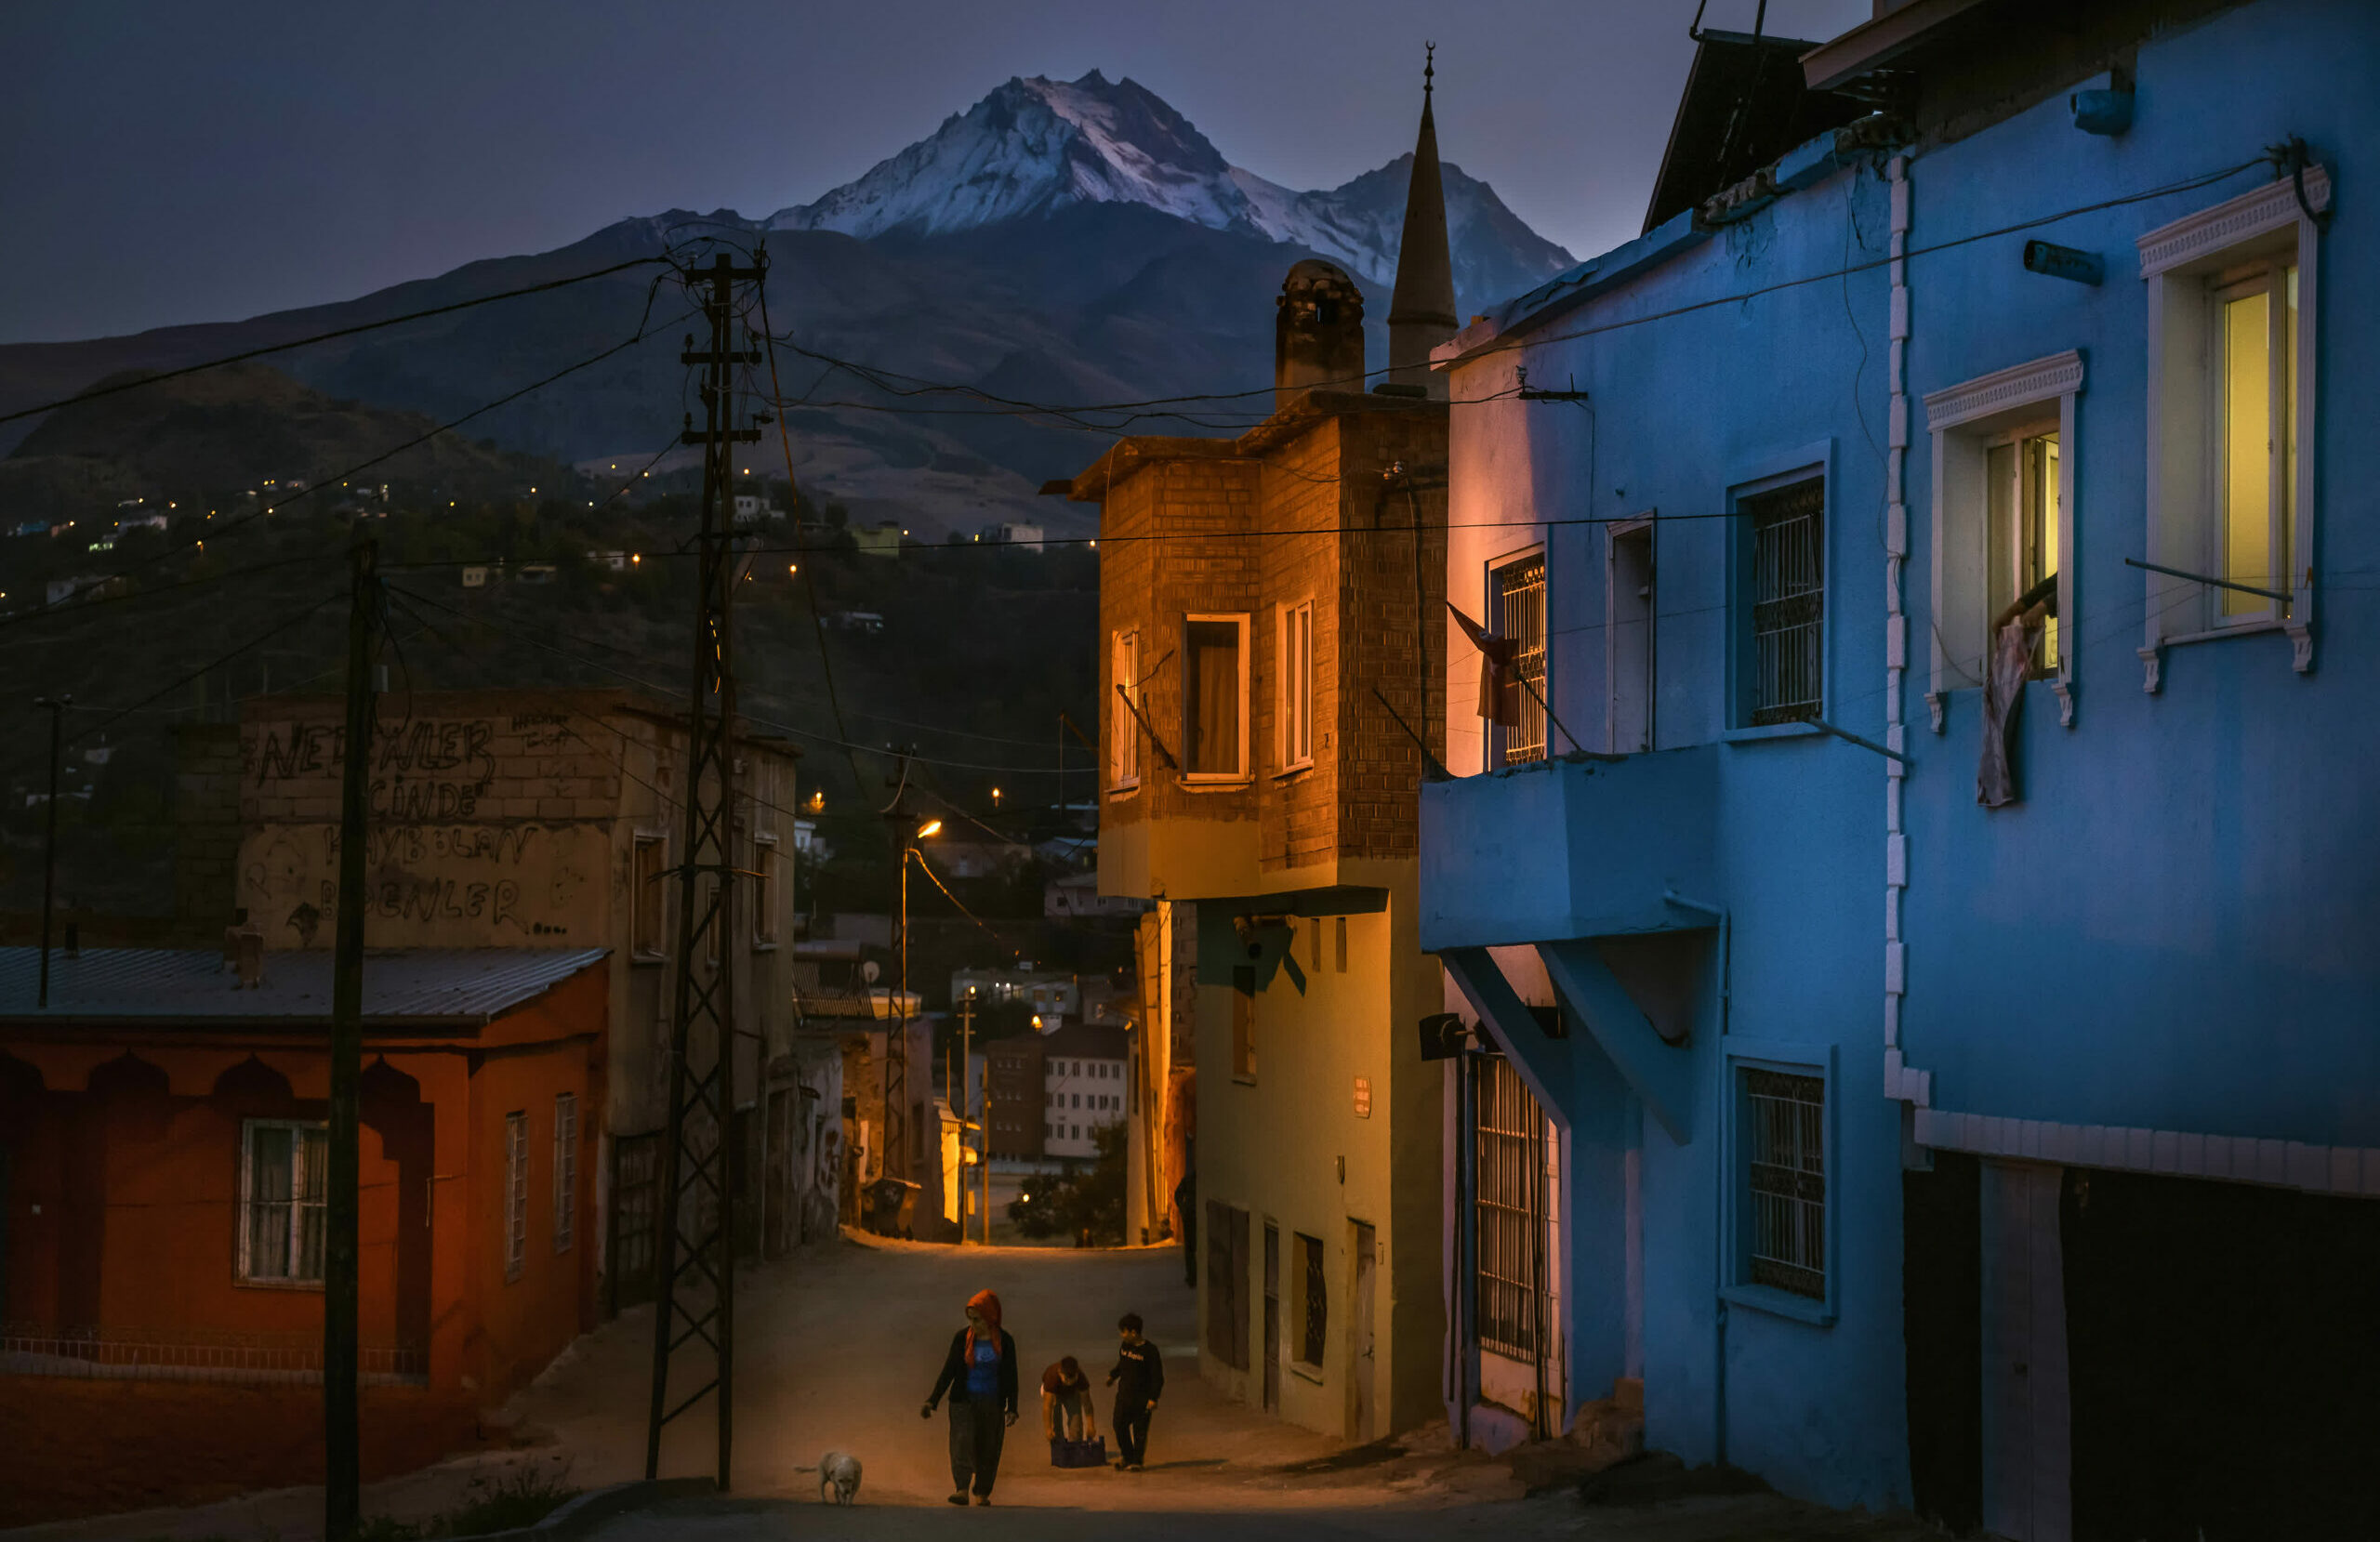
(840, 1345)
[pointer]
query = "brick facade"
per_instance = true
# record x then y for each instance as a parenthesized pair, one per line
(1300, 508)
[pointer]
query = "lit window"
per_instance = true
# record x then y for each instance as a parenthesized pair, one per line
(2256, 441)
(284, 1181)
(1214, 697)
(2023, 512)
(1123, 715)
(2233, 302)
(1296, 706)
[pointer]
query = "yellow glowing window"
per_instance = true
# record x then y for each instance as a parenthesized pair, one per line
(2025, 511)
(2256, 438)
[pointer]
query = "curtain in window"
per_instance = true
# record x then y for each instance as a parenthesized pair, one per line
(314, 1194)
(269, 1173)
(1213, 668)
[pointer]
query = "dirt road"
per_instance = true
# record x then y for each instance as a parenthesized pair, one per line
(838, 1348)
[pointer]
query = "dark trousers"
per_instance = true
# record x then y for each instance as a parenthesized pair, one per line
(976, 1431)
(1132, 1421)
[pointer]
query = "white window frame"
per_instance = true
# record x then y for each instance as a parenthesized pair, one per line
(1646, 526)
(766, 865)
(565, 1217)
(2180, 263)
(1124, 731)
(643, 894)
(248, 1273)
(1214, 779)
(515, 1194)
(1293, 716)
(1964, 421)
(1749, 1053)
(1499, 754)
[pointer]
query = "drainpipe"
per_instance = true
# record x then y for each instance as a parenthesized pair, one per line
(1718, 1211)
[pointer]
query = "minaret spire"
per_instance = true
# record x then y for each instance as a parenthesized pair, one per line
(1420, 310)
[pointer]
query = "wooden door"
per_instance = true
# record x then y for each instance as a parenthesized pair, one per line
(1365, 1420)
(1272, 1318)
(2027, 1449)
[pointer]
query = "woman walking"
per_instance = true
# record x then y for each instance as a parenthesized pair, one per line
(980, 1375)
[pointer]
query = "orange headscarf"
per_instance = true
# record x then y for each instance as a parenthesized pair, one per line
(987, 1306)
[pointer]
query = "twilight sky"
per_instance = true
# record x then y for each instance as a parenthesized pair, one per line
(168, 162)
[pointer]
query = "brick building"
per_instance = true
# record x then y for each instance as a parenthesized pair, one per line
(1014, 1098)
(1266, 603)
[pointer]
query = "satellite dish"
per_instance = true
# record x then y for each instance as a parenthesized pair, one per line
(868, 972)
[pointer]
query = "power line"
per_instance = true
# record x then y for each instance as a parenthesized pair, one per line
(162, 376)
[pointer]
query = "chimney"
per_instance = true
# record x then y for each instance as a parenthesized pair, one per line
(244, 951)
(1318, 333)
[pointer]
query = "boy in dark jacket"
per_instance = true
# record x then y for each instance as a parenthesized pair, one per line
(1139, 1378)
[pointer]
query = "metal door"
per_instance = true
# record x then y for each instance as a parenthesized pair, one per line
(1365, 1419)
(635, 1216)
(2027, 1449)
(1272, 1318)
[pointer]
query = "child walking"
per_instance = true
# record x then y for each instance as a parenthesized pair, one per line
(1139, 1379)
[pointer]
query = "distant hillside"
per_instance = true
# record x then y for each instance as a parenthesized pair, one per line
(230, 433)
(1065, 243)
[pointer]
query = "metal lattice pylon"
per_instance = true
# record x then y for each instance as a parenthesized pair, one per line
(695, 1260)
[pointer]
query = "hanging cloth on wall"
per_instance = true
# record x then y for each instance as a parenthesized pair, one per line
(2004, 697)
(1500, 697)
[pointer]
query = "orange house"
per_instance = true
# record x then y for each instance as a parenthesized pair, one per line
(163, 1163)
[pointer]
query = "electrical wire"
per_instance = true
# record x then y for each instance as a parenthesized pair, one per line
(161, 375)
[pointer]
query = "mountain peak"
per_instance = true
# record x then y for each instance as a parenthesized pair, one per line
(1035, 146)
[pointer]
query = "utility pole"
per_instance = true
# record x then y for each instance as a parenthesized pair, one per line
(896, 1041)
(342, 1462)
(966, 1091)
(57, 709)
(696, 1257)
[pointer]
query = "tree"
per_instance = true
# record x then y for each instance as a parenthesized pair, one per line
(1079, 1199)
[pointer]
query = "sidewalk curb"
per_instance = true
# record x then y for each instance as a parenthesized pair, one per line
(579, 1516)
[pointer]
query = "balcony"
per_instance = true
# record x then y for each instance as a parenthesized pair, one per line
(1564, 848)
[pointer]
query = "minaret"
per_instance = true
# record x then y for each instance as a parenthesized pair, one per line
(1421, 313)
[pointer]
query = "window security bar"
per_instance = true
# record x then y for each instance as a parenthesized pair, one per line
(2201, 578)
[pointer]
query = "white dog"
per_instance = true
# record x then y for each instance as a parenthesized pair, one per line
(839, 1474)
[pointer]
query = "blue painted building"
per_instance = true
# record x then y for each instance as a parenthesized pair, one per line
(1916, 1100)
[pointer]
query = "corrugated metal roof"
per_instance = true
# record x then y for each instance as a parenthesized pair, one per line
(444, 984)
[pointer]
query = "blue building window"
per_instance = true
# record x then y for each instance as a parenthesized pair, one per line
(1787, 531)
(1784, 1156)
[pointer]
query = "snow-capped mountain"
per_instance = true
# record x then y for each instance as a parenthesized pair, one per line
(1037, 146)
